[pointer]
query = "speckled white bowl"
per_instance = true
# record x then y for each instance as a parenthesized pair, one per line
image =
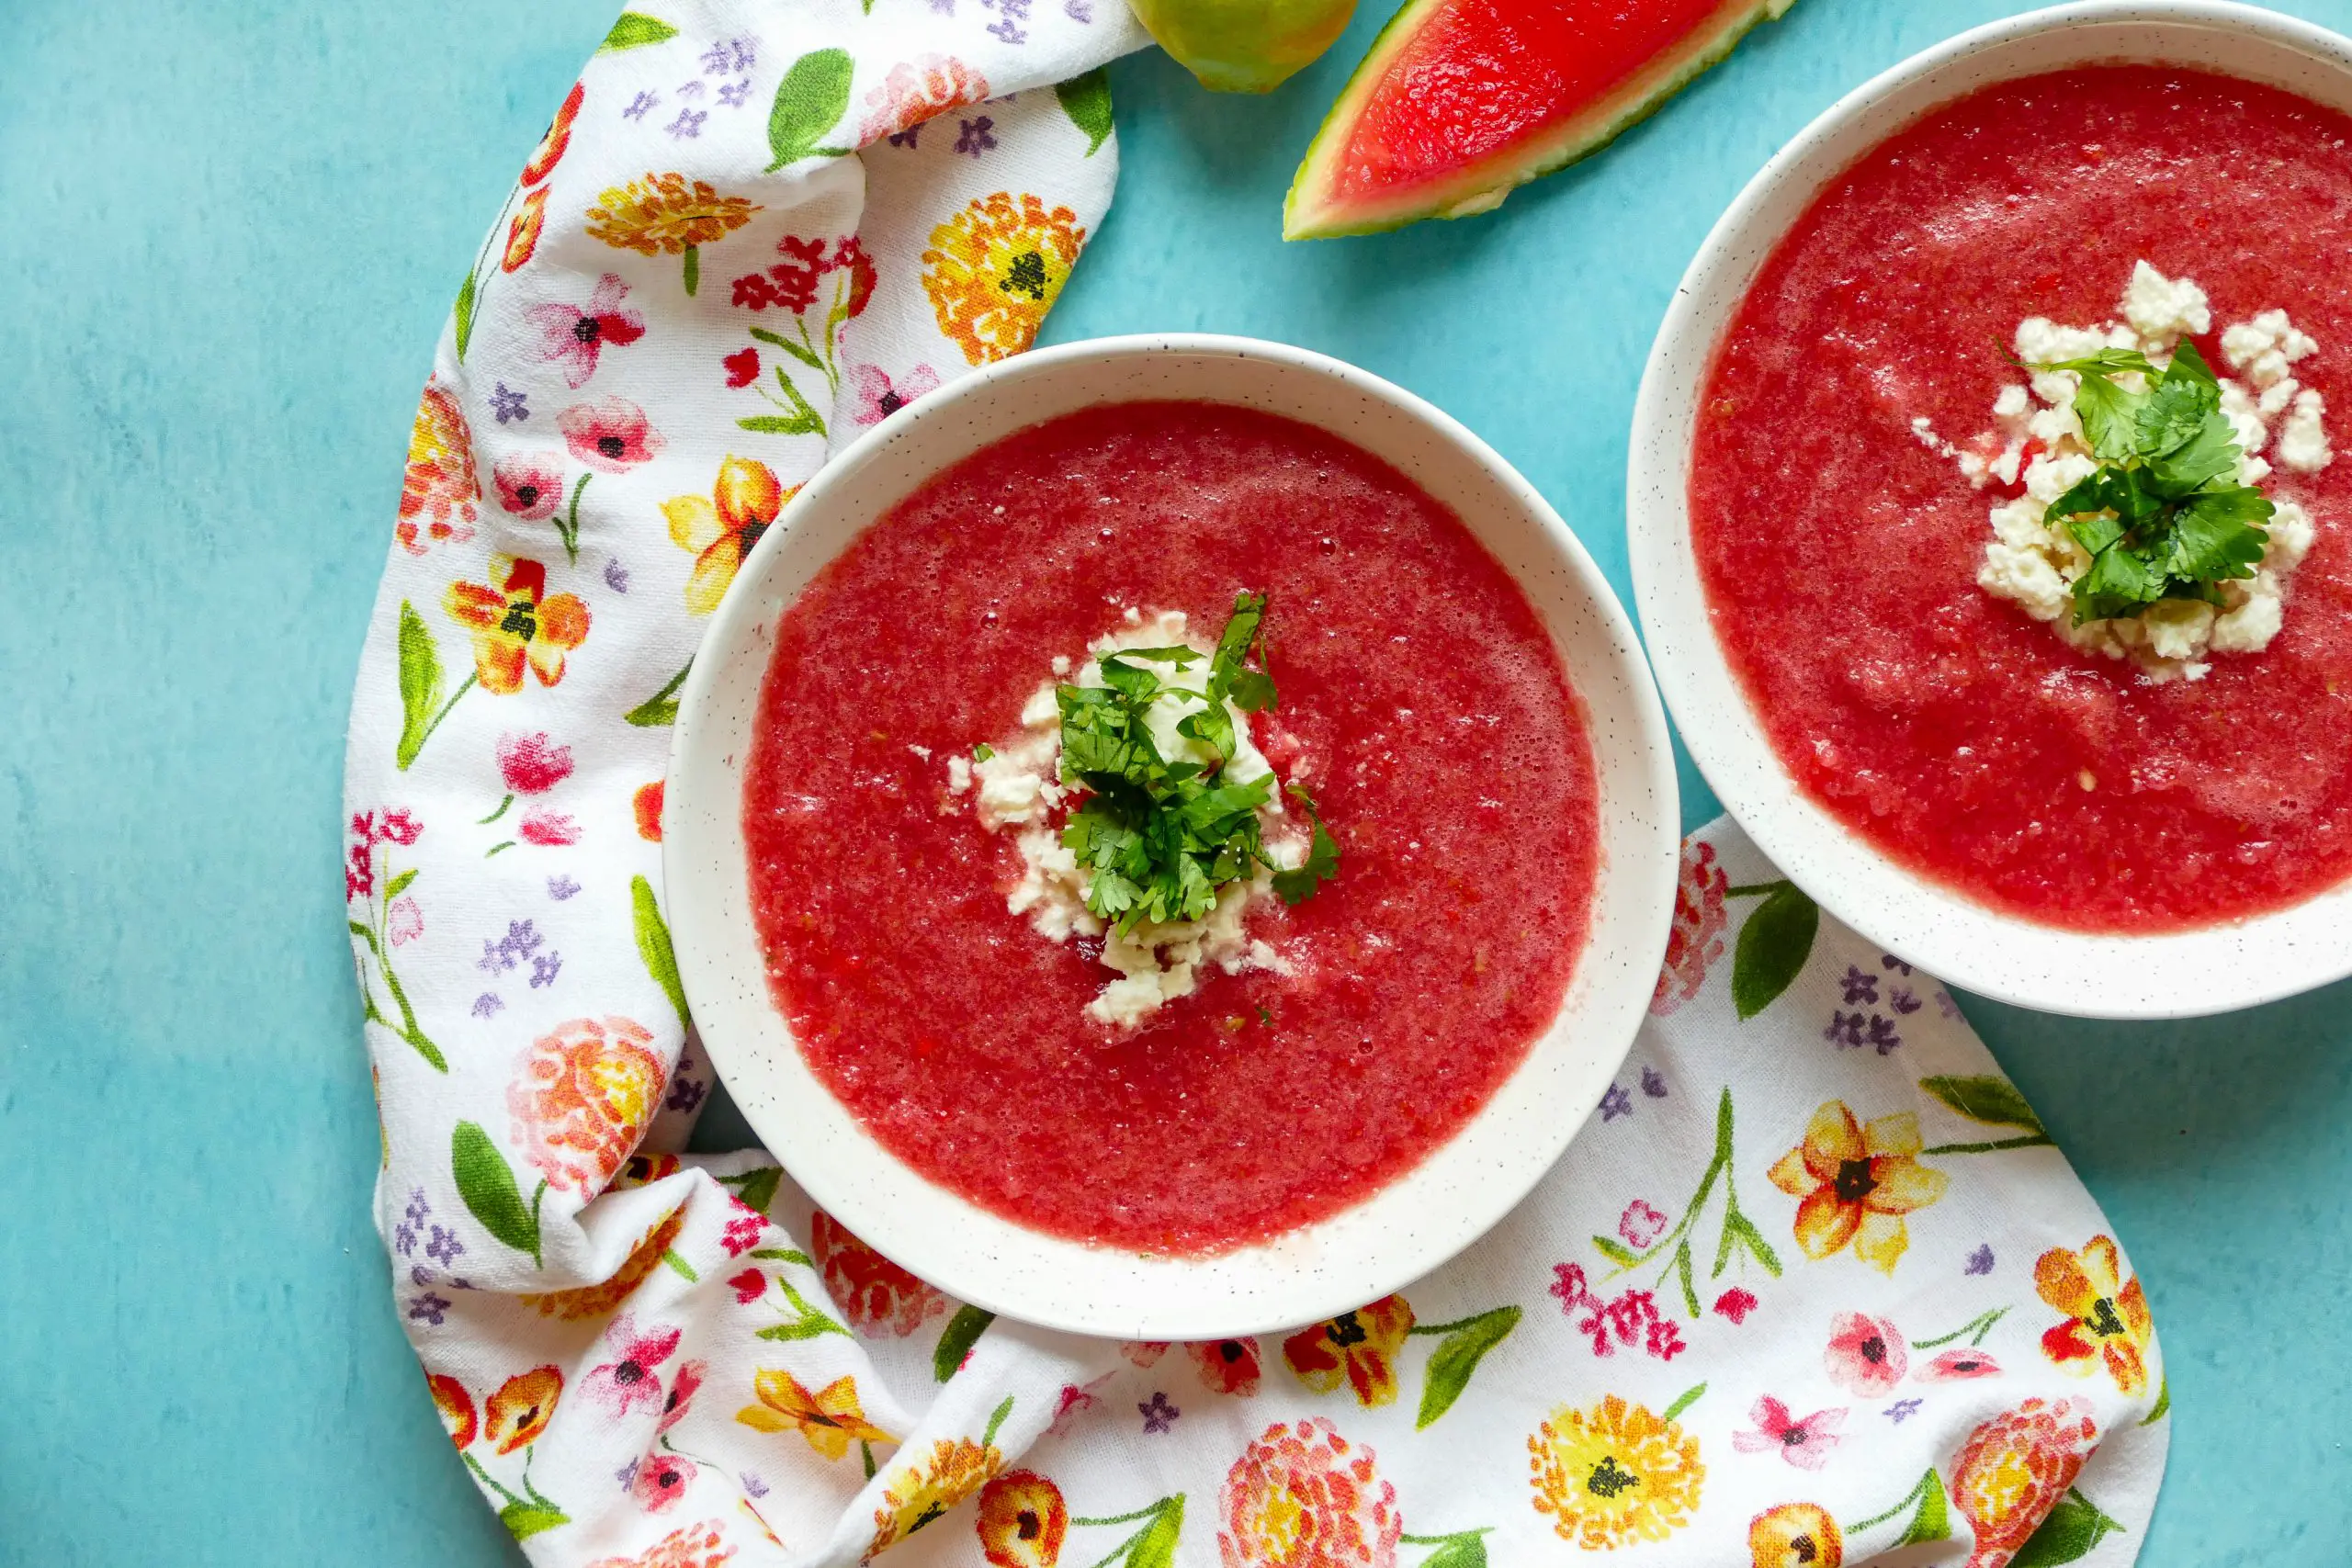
(2215, 969)
(1400, 1232)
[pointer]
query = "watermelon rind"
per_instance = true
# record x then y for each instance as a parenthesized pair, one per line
(1312, 213)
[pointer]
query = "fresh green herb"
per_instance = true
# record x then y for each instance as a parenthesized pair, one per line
(1162, 837)
(1322, 857)
(2163, 515)
(983, 751)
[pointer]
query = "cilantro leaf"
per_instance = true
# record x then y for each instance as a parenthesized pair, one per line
(2109, 417)
(1322, 857)
(2209, 454)
(2216, 536)
(2120, 582)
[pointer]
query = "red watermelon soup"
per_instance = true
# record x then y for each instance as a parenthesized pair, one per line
(2080, 651)
(1295, 949)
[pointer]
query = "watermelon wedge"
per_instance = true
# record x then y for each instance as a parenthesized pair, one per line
(1458, 101)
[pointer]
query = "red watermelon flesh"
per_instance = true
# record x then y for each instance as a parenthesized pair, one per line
(1459, 100)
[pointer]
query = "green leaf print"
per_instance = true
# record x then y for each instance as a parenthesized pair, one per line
(1458, 1354)
(1985, 1099)
(1087, 100)
(1467, 1550)
(2073, 1527)
(634, 29)
(1685, 1400)
(653, 946)
(487, 1184)
(1933, 1521)
(400, 884)
(420, 684)
(1155, 1547)
(525, 1521)
(963, 1331)
(810, 101)
(661, 707)
(1773, 946)
(465, 315)
(756, 1189)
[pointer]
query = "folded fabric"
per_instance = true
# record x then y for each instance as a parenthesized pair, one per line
(1812, 1283)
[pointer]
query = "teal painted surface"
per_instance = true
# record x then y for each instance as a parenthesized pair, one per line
(233, 233)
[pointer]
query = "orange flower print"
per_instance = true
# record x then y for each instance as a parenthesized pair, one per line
(668, 214)
(1614, 1475)
(1022, 1521)
(880, 1299)
(517, 624)
(523, 230)
(549, 151)
(1304, 1496)
(439, 488)
(1795, 1535)
(1228, 1366)
(2107, 1315)
(696, 1546)
(922, 1490)
(515, 1415)
(600, 1300)
(1857, 1183)
(455, 1408)
(917, 90)
(583, 1097)
(995, 268)
(645, 804)
(2014, 1468)
(1696, 940)
(1358, 1347)
(720, 529)
(830, 1418)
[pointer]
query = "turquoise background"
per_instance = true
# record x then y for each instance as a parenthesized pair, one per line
(231, 235)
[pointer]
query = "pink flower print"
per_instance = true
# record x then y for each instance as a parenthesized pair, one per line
(660, 1480)
(1074, 1403)
(1957, 1366)
(533, 764)
(547, 829)
(918, 90)
(742, 367)
(749, 1286)
(530, 484)
(878, 398)
(1804, 1444)
(1697, 937)
(1866, 1355)
(1735, 1304)
(1640, 1225)
(573, 337)
(405, 923)
(629, 1381)
(683, 1389)
(610, 435)
(400, 827)
(745, 1226)
(359, 877)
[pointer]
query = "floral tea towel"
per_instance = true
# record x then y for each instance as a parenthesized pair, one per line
(1812, 1285)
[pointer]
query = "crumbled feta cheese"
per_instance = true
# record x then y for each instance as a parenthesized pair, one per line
(2035, 566)
(923, 751)
(1020, 788)
(1925, 429)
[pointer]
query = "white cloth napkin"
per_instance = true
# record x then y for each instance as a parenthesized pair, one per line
(1811, 1284)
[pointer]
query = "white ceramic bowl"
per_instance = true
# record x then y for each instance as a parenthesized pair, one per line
(2214, 969)
(1401, 1231)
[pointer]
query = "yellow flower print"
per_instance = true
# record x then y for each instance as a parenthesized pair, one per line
(922, 1490)
(668, 214)
(720, 529)
(1857, 1183)
(994, 269)
(1613, 1474)
(1358, 1347)
(830, 1418)
(2107, 1315)
(515, 1415)
(515, 621)
(1795, 1535)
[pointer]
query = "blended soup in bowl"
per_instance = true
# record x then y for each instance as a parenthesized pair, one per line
(2014, 504)
(1168, 825)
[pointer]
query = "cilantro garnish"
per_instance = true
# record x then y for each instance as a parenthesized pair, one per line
(2163, 515)
(1162, 837)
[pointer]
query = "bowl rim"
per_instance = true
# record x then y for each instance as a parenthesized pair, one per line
(1968, 945)
(1653, 864)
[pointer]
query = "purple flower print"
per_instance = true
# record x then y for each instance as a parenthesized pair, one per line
(1078, 10)
(690, 89)
(1616, 1102)
(1013, 12)
(488, 1003)
(561, 887)
(1980, 1261)
(1901, 999)
(1882, 1035)
(641, 106)
(1945, 1005)
(686, 1094)
(545, 967)
(626, 1474)
(411, 1223)
(1804, 1444)
(976, 138)
(443, 1247)
(904, 138)
(734, 93)
(428, 1308)
(616, 577)
(1888, 961)
(753, 1487)
(1653, 1083)
(1902, 1410)
(730, 55)
(507, 403)
(688, 123)
(1159, 1415)
(1844, 1030)
(522, 939)
(878, 396)
(1859, 986)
